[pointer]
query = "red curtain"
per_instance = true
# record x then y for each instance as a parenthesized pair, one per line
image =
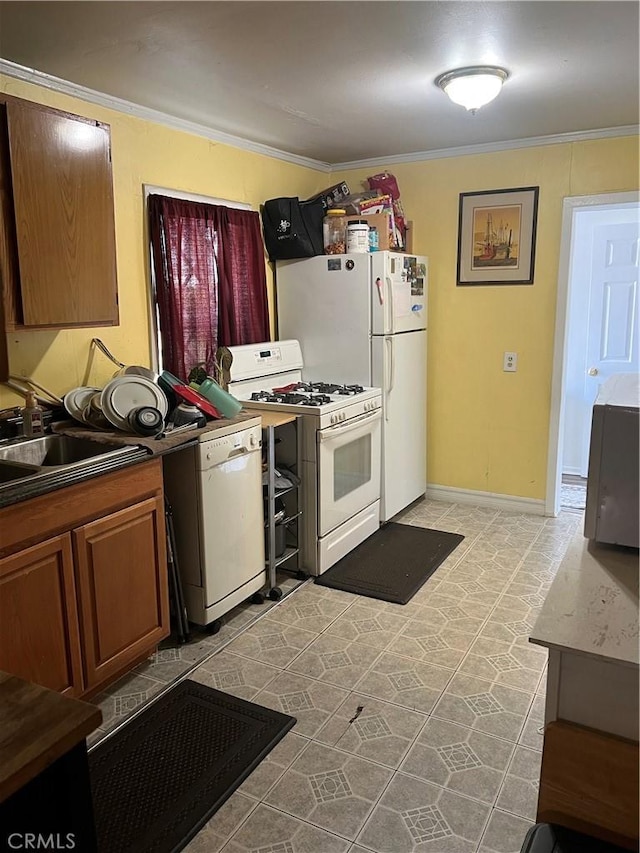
(210, 279)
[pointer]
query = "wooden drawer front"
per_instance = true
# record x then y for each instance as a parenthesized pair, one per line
(63, 202)
(122, 582)
(31, 521)
(589, 782)
(39, 636)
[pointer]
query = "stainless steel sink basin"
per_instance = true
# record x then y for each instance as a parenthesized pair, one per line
(9, 473)
(57, 458)
(55, 450)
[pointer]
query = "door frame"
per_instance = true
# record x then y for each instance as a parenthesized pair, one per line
(570, 206)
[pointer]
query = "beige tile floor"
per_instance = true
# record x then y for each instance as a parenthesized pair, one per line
(418, 726)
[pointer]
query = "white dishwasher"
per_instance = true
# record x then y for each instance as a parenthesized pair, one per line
(215, 492)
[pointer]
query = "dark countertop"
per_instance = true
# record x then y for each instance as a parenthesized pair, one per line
(153, 446)
(37, 726)
(141, 449)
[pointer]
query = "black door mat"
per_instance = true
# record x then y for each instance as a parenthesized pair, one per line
(163, 775)
(393, 563)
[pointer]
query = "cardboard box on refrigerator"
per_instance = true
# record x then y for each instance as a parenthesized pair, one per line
(383, 222)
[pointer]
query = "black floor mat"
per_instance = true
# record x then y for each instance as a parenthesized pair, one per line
(393, 563)
(162, 776)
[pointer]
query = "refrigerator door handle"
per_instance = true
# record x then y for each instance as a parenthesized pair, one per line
(392, 317)
(391, 375)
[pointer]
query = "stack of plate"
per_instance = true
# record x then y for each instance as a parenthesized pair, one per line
(112, 405)
(76, 401)
(125, 393)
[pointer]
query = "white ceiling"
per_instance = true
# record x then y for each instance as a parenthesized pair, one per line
(343, 81)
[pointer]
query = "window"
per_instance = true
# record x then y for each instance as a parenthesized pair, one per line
(210, 281)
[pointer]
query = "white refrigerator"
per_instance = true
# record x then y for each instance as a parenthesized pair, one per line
(362, 318)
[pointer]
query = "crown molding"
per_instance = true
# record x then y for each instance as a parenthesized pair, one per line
(489, 147)
(57, 84)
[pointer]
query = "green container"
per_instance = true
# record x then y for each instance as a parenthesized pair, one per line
(224, 402)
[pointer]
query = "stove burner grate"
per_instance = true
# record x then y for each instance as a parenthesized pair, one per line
(329, 388)
(290, 398)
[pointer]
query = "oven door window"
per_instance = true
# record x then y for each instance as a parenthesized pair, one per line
(351, 466)
(348, 470)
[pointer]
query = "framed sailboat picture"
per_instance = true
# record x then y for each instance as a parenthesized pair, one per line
(497, 236)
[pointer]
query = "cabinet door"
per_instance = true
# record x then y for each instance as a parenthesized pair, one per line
(63, 207)
(8, 251)
(121, 572)
(39, 637)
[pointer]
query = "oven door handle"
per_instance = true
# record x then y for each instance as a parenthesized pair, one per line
(330, 433)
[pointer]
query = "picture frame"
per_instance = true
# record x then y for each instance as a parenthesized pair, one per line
(497, 236)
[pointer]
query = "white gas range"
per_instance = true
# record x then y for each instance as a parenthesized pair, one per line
(340, 448)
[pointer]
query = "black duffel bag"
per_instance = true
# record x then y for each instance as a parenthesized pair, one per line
(292, 228)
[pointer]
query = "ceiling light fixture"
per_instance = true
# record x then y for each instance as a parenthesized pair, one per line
(473, 87)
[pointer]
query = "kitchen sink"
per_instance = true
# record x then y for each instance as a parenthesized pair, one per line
(55, 450)
(9, 472)
(56, 458)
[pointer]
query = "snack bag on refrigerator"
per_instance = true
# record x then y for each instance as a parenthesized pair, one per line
(385, 183)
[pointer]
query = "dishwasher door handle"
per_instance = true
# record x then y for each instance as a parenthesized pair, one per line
(238, 451)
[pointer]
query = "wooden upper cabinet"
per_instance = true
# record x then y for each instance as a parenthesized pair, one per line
(62, 193)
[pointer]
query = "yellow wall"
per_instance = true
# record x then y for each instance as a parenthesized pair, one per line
(142, 153)
(488, 430)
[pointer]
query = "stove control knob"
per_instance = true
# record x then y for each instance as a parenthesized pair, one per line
(252, 441)
(343, 416)
(333, 419)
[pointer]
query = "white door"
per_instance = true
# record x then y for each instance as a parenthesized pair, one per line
(398, 293)
(348, 470)
(400, 369)
(603, 336)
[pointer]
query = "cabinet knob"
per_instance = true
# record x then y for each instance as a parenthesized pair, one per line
(593, 371)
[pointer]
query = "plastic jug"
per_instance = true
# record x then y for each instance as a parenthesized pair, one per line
(226, 404)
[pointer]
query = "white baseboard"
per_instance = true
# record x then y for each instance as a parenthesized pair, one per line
(511, 503)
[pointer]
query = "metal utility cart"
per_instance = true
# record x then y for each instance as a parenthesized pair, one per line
(272, 422)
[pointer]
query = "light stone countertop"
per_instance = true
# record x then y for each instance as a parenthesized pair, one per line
(592, 605)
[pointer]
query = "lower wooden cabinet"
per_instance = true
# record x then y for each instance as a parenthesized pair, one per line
(83, 605)
(39, 637)
(589, 783)
(121, 552)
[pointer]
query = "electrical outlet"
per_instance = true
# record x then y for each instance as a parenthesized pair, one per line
(510, 362)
